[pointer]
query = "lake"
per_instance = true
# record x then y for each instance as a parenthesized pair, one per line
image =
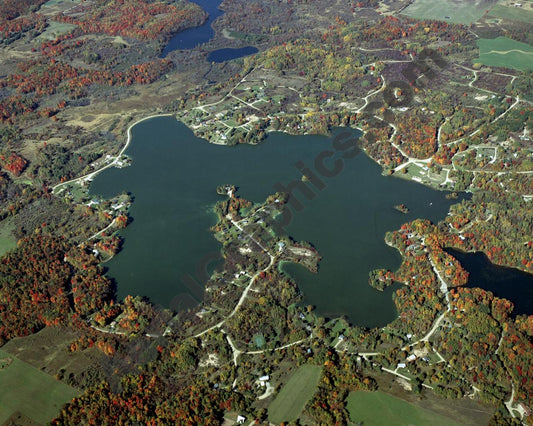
(174, 178)
(508, 283)
(223, 55)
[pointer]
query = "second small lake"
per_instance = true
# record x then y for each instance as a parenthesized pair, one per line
(508, 283)
(222, 55)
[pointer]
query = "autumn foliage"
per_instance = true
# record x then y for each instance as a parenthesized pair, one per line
(39, 287)
(147, 399)
(139, 19)
(13, 163)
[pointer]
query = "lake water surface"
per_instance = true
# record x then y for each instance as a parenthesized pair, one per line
(174, 178)
(223, 55)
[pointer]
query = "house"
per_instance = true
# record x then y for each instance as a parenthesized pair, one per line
(526, 410)
(263, 380)
(241, 419)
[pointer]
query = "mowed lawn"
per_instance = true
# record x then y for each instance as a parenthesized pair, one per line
(378, 408)
(293, 397)
(32, 392)
(504, 52)
(464, 12)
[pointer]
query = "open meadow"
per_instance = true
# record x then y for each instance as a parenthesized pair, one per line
(291, 400)
(504, 52)
(33, 393)
(7, 240)
(448, 10)
(378, 408)
(508, 10)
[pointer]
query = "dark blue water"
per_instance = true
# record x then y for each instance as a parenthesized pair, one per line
(223, 55)
(508, 283)
(193, 37)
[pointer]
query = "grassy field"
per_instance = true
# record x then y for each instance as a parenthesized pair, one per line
(7, 241)
(292, 398)
(446, 10)
(377, 408)
(510, 12)
(31, 392)
(55, 29)
(504, 52)
(56, 2)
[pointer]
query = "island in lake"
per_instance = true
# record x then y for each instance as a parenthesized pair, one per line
(402, 208)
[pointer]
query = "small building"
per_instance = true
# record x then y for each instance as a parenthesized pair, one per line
(525, 409)
(401, 365)
(240, 419)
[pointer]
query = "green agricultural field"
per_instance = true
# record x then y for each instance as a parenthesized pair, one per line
(29, 391)
(515, 13)
(291, 400)
(504, 52)
(377, 408)
(7, 240)
(464, 12)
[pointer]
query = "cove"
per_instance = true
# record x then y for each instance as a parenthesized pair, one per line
(508, 283)
(174, 176)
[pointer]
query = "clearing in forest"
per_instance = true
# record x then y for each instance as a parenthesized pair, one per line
(31, 392)
(378, 408)
(464, 12)
(291, 399)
